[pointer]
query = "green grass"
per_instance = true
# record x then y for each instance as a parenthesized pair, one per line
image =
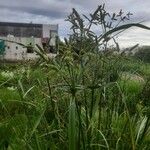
(75, 106)
(84, 99)
(8, 94)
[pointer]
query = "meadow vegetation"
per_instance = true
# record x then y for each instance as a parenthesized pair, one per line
(86, 98)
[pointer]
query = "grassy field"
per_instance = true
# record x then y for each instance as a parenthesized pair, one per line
(100, 103)
(87, 98)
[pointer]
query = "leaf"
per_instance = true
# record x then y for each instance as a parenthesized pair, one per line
(133, 47)
(96, 11)
(14, 42)
(21, 87)
(37, 122)
(86, 18)
(104, 139)
(51, 132)
(113, 16)
(78, 18)
(40, 51)
(23, 102)
(28, 91)
(141, 128)
(122, 27)
(71, 129)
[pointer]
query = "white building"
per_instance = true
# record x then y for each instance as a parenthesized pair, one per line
(27, 34)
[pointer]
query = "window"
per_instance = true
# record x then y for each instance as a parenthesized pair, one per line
(53, 33)
(16, 47)
(30, 48)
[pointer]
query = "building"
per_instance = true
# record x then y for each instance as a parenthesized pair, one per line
(28, 34)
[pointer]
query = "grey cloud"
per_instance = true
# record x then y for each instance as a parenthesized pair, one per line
(55, 11)
(52, 13)
(37, 7)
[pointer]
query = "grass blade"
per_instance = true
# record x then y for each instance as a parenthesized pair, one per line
(71, 131)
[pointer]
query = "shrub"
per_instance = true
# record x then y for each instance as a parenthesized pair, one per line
(145, 94)
(143, 54)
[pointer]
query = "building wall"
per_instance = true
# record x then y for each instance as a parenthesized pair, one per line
(27, 34)
(47, 29)
(14, 51)
(20, 30)
(50, 31)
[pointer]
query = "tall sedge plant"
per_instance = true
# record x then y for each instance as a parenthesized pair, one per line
(82, 106)
(109, 25)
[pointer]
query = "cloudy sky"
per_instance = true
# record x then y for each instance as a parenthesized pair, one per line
(55, 12)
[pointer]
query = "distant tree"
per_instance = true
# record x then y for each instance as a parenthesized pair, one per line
(143, 54)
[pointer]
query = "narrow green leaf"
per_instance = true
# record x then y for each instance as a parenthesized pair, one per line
(37, 122)
(71, 128)
(122, 27)
(107, 145)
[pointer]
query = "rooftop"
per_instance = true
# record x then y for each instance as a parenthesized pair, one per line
(14, 24)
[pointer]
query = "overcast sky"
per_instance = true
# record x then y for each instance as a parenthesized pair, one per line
(55, 12)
